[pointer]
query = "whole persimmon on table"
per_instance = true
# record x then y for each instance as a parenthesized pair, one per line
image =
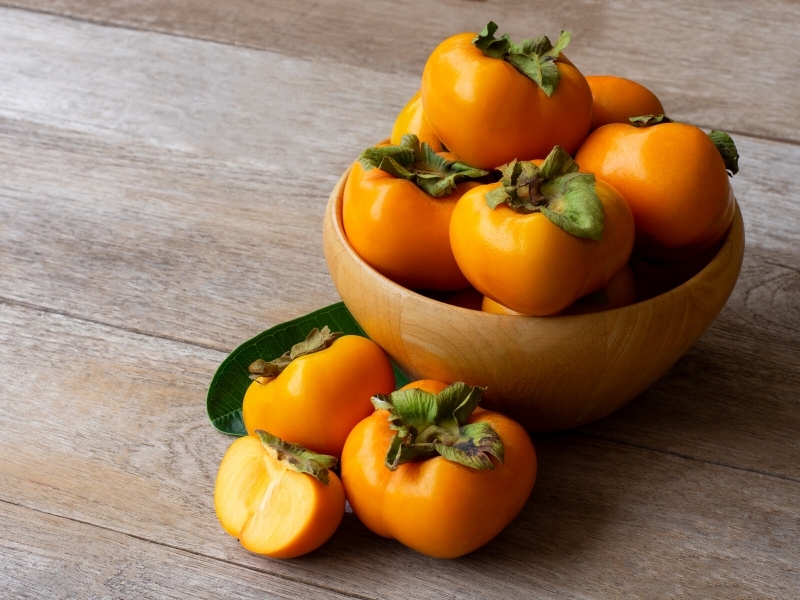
(166, 170)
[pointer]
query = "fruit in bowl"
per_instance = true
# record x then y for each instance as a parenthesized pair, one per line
(565, 220)
(549, 373)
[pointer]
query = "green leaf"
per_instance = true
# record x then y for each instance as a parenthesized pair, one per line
(727, 148)
(297, 457)
(232, 378)
(535, 58)
(316, 341)
(563, 195)
(419, 163)
(490, 45)
(649, 120)
(574, 205)
(436, 424)
(472, 449)
(400, 158)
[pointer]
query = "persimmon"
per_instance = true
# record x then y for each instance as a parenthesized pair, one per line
(542, 237)
(675, 178)
(314, 394)
(620, 291)
(617, 100)
(491, 101)
(279, 499)
(396, 208)
(412, 119)
(432, 470)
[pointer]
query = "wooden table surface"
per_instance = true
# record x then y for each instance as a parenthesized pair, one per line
(165, 167)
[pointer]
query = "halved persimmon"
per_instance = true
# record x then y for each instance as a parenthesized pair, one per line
(279, 499)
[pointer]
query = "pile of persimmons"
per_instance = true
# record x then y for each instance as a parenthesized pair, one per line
(512, 176)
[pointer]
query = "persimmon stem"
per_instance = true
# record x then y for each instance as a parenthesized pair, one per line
(298, 458)
(316, 340)
(430, 425)
(557, 189)
(535, 58)
(419, 163)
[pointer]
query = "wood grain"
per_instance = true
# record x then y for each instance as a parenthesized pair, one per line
(731, 67)
(127, 238)
(46, 556)
(156, 210)
(124, 449)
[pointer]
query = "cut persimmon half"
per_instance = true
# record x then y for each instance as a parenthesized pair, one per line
(279, 499)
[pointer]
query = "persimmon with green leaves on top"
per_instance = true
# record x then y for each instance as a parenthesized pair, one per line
(316, 392)
(543, 236)
(278, 499)
(432, 470)
(674, 176)
(491, 101)
(396, 209)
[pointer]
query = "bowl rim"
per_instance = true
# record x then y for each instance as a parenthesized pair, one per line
(732, 245)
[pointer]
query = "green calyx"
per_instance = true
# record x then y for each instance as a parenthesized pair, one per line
(556, 189)
(722, 141)
(315, 341)
(298, 458)
(420, 164)
(430, 425)
(535, 58)
(650, 120)
(727, 148)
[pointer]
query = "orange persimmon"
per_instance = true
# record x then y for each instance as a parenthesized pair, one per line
(617, 99)
(432, 483)
(412, 119)
(396, 208)
(542, 237)
(620, 291)
(279, 499)
(674, 177)
(314, 394)
(491, 101)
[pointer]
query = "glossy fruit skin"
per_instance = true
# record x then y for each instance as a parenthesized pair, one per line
(437, 507)
(304, 511)
(412, 119)
(620, 291)
(616, 100)
(674, 180)
(488, 113)
(530, 265)
(319, 397)
(401, 231)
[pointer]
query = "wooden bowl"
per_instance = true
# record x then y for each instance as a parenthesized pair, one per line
(549, 373)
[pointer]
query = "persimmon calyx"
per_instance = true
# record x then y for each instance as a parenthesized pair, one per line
(650, 120)
(429, 425)
(722, 141)
(556, 189)
(316, 340)
(727, 148)
(296, 457)
(535, 58)
(419, 163)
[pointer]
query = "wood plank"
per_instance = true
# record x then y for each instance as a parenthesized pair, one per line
(187, 244)
(142, 262)
(115, 437)
(46, 556)
(730, 67)
(269, 111)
